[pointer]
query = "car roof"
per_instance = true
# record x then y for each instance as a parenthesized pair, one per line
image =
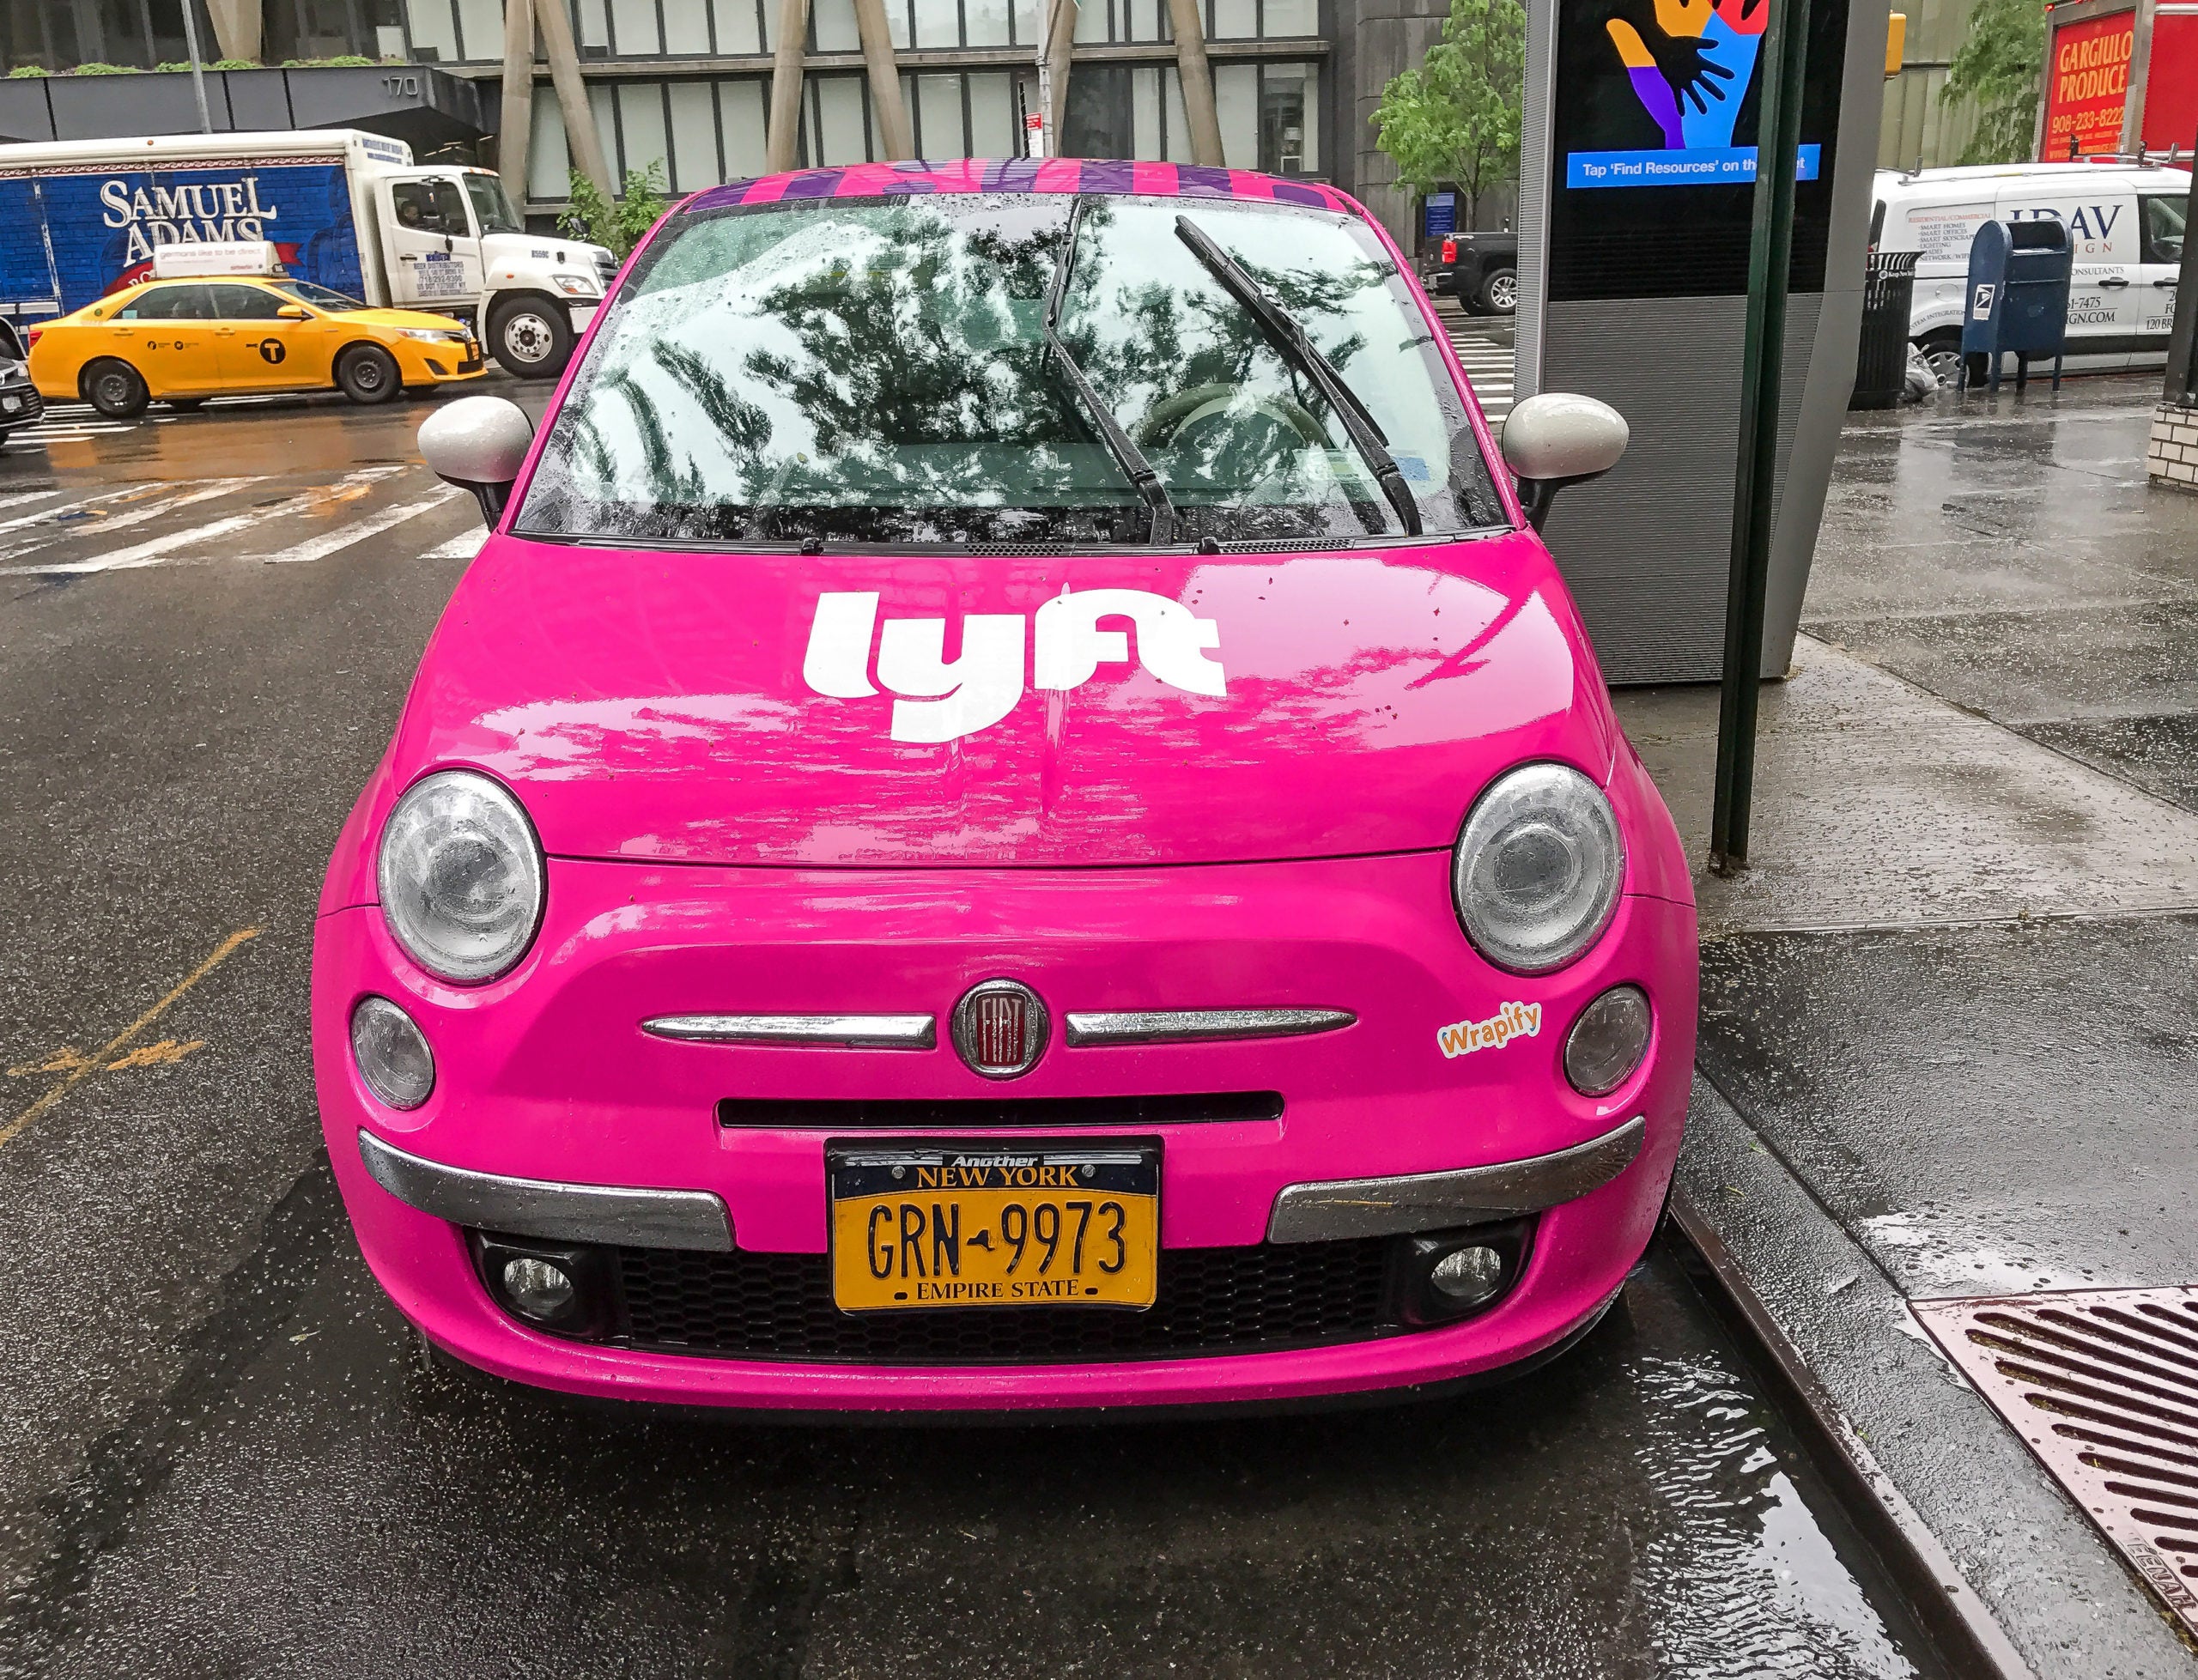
(1020, 175)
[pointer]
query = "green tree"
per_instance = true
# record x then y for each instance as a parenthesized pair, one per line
(1998, 67)
(1455, 120)
(618, 222)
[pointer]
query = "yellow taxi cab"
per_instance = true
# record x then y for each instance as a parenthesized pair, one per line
(179, 341)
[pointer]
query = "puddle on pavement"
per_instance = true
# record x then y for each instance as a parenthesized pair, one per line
(1633, 1510)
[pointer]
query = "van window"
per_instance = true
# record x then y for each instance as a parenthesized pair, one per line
(2164, 218)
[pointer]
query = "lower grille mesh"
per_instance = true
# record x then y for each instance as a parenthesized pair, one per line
(1212, 1301)
(2103, 1384)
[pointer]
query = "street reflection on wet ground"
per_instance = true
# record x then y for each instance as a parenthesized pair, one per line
(314, 1499)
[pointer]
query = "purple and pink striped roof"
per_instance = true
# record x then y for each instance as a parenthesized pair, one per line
(1057, 174)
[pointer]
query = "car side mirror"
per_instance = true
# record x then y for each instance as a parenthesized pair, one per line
(478, 444)
(1555, 439)
(293, 311)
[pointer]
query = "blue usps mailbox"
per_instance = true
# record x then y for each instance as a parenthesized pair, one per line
(2017, 298)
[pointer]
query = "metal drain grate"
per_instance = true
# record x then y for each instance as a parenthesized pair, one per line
(2103, 1385)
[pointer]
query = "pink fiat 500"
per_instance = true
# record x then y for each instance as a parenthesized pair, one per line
(1012, 816)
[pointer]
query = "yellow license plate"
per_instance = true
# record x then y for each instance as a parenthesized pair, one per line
(993, 1224)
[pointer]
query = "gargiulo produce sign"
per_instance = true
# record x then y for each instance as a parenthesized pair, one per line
(2087, 85)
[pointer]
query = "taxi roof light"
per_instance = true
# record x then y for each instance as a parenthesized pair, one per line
(200, 261)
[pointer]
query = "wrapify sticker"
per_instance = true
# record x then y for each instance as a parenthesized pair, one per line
(1513, 1021)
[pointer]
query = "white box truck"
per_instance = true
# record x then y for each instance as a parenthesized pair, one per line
(344, 208)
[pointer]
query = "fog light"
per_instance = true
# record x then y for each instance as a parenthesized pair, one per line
(1441, 1278)
(537, 1288)
(1468, 1276)
(1608, 1041)
(392, 1053)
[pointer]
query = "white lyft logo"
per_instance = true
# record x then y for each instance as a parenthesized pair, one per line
(936, 700)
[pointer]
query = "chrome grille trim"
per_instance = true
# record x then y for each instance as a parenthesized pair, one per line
(1087, 1029)
(687, 1219)
(835, 1032)
(1338, 1208)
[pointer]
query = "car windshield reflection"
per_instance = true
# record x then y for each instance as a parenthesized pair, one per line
(877, 371)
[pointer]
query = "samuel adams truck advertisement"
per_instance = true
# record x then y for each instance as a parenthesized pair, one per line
(70, 231)
(342, 208)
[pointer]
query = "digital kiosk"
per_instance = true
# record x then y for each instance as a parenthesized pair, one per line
(1637, 188)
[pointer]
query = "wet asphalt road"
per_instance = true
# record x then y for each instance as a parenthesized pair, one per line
(224, 1459)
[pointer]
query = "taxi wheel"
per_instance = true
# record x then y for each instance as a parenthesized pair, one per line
(116, 389)
(367, 373)
(532, 339)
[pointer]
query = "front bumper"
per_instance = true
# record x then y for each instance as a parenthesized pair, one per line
(444, 362)
(20, 404)
(545, 1077)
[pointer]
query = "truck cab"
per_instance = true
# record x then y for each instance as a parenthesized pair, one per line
(452, 242)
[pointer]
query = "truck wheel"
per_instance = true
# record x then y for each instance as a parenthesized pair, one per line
(367, 373)
(532, 337)
(116, 389)
(1499, 291)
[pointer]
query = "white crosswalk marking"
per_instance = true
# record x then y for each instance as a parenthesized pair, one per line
(321, 548)
(463, 546)
(111, 492)
(149, 552)
(220, 487)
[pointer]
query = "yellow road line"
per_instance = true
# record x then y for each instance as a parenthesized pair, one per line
(220, 952)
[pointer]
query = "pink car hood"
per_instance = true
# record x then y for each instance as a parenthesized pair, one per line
(968, 709)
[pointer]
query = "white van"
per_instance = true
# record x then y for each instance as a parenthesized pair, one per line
(2124, 220)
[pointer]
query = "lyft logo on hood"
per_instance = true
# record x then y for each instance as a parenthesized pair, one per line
(937, 700)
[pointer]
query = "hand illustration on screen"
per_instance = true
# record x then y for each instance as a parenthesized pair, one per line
(1679, 53)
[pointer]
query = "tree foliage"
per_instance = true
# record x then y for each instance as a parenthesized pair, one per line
(1456, 120)
(617, 223)
(1998, 67)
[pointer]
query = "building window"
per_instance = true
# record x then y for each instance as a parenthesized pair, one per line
(1290, 118)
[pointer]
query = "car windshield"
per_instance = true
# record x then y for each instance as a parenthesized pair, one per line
(318, 296)
(491, 208)
(877, 371)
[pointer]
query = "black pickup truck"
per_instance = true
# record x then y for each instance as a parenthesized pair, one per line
(1481, 271)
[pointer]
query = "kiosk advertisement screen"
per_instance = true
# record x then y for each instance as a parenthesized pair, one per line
(1654, 156)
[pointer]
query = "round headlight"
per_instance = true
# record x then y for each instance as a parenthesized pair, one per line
(1538, 868)
(460, 874)
(392, 1053)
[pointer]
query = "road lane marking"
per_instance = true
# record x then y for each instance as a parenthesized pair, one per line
(126, 493)
(107, 1051)
(321, 548)
(151, 553)
(463, 546)
(153, 511)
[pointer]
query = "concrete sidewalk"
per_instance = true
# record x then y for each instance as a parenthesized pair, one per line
(1948, 1044)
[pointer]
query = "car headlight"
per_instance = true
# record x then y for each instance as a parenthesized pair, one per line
(1538, 868)
(460, 873)
(434, 335)
(575, 286)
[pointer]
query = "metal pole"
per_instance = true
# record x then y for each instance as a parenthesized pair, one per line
(2181, 385)
(1771, 248)
(197, 75)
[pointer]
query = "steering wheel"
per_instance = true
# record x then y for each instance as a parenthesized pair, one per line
(1170, 418)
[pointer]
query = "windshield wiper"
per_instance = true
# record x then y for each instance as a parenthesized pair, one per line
(1289, 339)
(1161, 523)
